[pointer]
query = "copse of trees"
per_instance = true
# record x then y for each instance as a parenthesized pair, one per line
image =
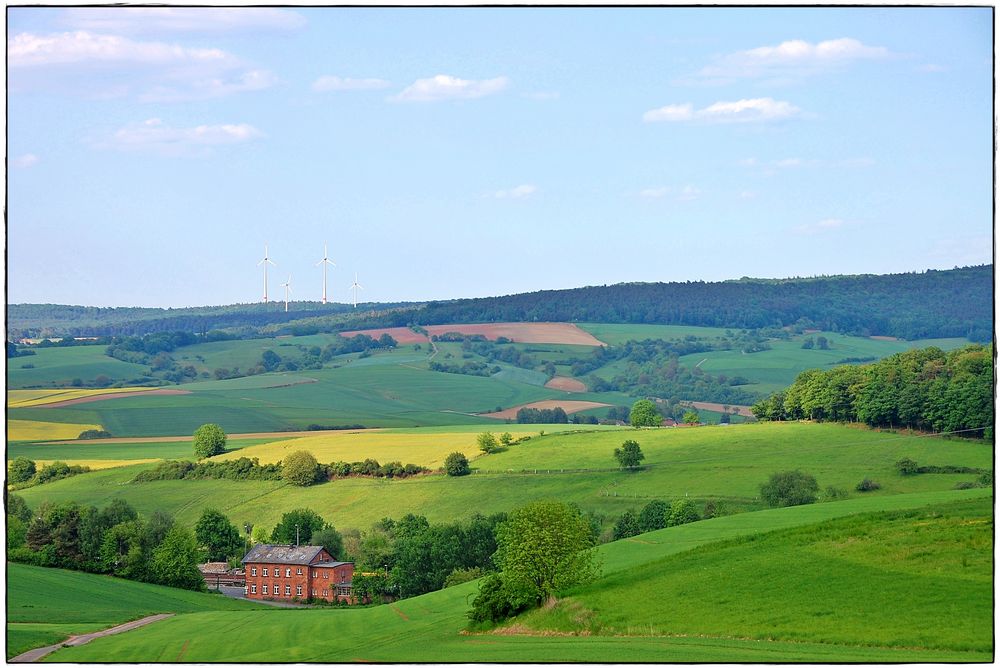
(555, 415)
(112, 540)
(925, 389)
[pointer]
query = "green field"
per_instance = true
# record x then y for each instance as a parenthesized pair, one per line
(724, 464)
(615, 333)
(427, 628)
(46, 605)
(59, 366)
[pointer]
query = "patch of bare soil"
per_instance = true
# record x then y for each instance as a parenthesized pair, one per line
(568, 405)
(524, 332)
(718, 408)
(105, 397)
(566, 384)
(403, 335)
(883, 338)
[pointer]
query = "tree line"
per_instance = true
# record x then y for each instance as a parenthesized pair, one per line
(924, 389)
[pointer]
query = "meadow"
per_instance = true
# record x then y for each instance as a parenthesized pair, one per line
(723, 464)
(57, 367)
(428, 628)
(46, 605)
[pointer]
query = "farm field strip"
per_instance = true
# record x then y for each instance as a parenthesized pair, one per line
(37, 430)
(25, 398)
(519, 332)
(570, 406)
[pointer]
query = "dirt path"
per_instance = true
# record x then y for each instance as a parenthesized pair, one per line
(40, 652)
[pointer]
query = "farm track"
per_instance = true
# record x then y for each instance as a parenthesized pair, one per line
(40, 652)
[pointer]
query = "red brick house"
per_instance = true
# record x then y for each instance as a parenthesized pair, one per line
(285, 572)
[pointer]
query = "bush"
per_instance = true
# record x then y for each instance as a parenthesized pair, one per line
(832, 493)
(789, 488)
(457, 464)
(654, 516)
(487, 442)
(626, 526)
(498, 600)
(22, 469)
(460, 575)
(629, 455)
(299, 468)
(907, 466)
(867, 485)
(209, 439)
(93, 433)
(683, 511)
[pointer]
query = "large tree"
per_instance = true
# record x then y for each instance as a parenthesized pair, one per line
(299, 468)
(644, 414)
(22, 469)
(175, 561)
(544, 547)
(307, 522)
(209, 439)
(218, 536)
(629, 455)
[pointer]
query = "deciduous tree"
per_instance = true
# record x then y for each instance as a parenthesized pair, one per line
(209, 440)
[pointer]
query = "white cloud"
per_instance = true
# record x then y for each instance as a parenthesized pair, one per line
(825, 225)
(25, 161)
(756, 110)
(654, 193)
(931, 68)
(684, 194)
(523, 190)
(153, 136)
(99, 65)
(333, 83)
(445, 87)
(132, 20)
(790, 60)
(688, 193)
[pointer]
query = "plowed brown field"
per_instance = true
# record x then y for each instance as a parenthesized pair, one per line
(519, 332)
(403, 335)
(570, 406)
(566, 384)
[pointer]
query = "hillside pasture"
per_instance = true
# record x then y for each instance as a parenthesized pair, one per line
(427, 628)
(28, 398)
(726, 465)
(58, 367)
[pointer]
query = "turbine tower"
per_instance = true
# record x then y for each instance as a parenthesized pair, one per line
(265, 262)
(325, 261)
(287, 285)
(355, 288)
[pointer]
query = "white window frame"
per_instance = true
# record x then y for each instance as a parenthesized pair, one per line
(288, 572)
(298, 571)
(263, 590)
(265, 571)
(253, 571)
(253, 589)
(298, 590)
(288, 590)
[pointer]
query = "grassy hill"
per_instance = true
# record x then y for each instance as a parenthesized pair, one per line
(46, 605)
(723, 464)
(428, 628)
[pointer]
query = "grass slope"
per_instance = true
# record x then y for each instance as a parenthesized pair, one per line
(46, 605)
(878, 579)
(427, 628)
(726, 464)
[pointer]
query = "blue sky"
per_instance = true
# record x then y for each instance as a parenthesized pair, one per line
(466, 152)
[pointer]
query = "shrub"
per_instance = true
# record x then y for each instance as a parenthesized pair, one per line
(867, 485)
(299, 468)
(93, 433)
(487, 442)
(209, 439)
(832, 493)
(683, 511)
(58, 471)
(457, 464)
(22, 469)
(907, 466)
(460, 575)
(789, 488)
(654, 516)
(498, 600)
(626, 526)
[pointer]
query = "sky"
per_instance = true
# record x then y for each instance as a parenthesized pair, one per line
(467, 152)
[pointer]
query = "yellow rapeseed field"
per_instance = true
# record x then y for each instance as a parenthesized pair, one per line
(33, 430)
(26, 398)
(428, 450)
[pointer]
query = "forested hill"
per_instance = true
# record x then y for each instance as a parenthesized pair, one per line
(931, 304)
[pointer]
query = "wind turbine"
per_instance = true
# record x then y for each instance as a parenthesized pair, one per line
(355, 288)
(287, 285)
(325, 261)
(265, 262)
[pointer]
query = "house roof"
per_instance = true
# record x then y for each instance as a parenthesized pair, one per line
(329, 564)
(282, 554)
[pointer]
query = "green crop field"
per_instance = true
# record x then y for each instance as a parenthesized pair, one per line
(96, 450)
(725, 464)
(59, 366)
(427, 628)
(614, 333)
(46, 605)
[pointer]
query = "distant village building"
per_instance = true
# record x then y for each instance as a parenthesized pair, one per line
(219, 574)
(284, 572)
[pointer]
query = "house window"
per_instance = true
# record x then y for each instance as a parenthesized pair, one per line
(263, 590)
(298, 591)
(253, 571)
(343, 577)
(265, 572)
(326, 574)
(288, 572)
(314, 592)
(298, 571)
(288, 590)
(253, 589)
(277, 572)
